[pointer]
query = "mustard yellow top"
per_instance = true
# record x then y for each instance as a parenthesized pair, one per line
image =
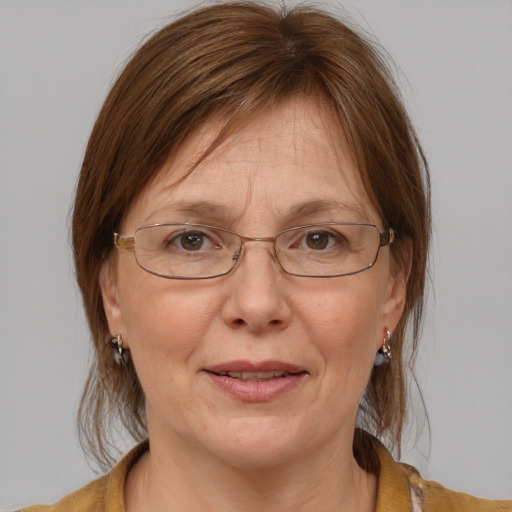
(401, 489)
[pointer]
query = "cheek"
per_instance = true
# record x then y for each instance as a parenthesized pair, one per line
(165, 318)
(166, 326)
(344, 321)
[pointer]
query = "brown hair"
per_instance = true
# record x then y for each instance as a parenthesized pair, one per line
(236, 60)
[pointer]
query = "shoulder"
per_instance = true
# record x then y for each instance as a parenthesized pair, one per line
(90, 498)
(106, 494)
(402, 489)
(433, 497)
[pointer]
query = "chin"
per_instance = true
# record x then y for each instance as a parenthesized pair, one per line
(259, 444)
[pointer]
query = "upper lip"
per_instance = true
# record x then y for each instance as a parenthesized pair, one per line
(250, 366)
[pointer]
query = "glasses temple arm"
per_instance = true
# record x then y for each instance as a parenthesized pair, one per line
(387, 237)
(124, 242)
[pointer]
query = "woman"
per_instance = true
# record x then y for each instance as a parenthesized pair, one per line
(250, 231)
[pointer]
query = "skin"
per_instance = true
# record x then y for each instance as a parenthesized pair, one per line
(210, 450)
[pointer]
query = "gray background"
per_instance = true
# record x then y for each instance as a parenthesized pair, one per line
(455, 66)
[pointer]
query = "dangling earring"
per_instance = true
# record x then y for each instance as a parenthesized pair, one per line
(384, 353)
(120, 354)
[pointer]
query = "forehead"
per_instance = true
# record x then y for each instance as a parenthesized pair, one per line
(292, 159)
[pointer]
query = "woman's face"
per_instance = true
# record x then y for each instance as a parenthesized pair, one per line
(278, 172)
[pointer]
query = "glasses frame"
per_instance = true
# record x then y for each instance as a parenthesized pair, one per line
(127, 243)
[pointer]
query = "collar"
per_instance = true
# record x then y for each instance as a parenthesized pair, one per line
(394, 491)
(393, 494)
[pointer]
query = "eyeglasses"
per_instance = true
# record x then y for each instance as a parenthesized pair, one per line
(200, 251)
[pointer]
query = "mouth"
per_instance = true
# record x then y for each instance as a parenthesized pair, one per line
(256, 382)
(257, 376)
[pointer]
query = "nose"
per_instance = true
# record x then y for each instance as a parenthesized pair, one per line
(257, 298)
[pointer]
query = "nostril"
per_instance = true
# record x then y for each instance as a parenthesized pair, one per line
(240, 322)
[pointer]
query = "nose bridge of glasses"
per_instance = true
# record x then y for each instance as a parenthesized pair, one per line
(244, 239)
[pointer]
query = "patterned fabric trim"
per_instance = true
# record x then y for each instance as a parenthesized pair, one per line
(415, 500)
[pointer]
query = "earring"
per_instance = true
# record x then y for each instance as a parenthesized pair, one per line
(120, 354)
(384, 353)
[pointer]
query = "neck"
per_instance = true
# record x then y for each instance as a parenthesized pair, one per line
(173, 478)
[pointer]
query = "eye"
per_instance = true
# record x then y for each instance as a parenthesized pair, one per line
(192, 241)
(318, 241)
(326, 240)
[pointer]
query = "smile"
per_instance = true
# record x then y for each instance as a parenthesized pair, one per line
(256, 382)
(255, 376)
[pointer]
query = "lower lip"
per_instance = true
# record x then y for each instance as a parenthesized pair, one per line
(262, 391)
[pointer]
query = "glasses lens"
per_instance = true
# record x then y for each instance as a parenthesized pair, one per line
(186, 250)
(330, 249)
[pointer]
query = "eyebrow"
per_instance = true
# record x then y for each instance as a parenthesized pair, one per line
(327, 206)
(220, 212)
(193, 208)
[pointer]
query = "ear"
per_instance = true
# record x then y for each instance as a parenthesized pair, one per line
(396, 291)
(110, 295)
